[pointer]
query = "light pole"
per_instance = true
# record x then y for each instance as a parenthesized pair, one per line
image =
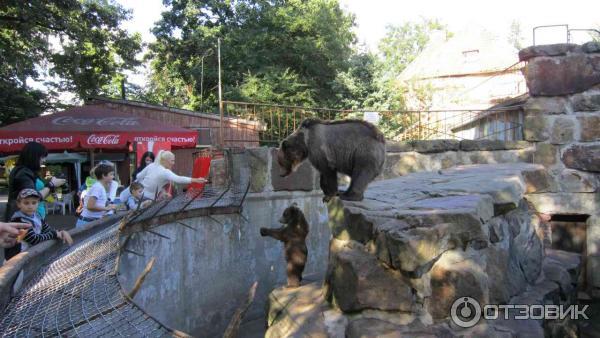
(220, 97)
(207, 53)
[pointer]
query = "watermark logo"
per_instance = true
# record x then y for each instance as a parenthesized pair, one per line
(466, 311)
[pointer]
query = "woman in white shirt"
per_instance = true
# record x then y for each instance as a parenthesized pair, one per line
(95, 203)
(156, 175)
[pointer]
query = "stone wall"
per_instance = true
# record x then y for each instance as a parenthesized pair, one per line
(563, 115)
(561, 131)
(432, 155)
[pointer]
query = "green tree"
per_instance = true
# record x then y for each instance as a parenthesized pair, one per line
(515, 35)
(275, 86)
(596, 35)
(354, 86)
(77, 42)
(400, 46)
(305, 44)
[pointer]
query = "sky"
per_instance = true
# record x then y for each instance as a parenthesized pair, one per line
(372, 17)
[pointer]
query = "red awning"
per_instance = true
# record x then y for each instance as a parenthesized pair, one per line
(92, 127)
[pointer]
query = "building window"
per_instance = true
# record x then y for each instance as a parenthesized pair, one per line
(471, 55)
(204, 136)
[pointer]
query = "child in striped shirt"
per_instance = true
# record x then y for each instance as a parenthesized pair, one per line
(27, 202)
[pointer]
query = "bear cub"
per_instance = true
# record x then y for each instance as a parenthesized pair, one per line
(293, 234)
(352, 147)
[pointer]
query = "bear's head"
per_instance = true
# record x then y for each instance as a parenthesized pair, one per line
(290, 214)
(292, 152)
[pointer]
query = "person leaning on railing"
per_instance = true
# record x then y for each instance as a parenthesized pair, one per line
(158, 174)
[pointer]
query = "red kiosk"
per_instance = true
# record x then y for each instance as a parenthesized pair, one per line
(90, 128)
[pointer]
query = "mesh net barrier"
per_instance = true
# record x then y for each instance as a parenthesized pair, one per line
(77, 294)
(231, 194)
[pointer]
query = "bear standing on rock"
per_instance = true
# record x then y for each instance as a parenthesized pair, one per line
(293, 235)
(353, 147)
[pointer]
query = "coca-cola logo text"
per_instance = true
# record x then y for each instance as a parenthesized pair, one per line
(107, 121)
(103, 139)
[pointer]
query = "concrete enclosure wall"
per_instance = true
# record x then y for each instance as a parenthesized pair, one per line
(201, 276)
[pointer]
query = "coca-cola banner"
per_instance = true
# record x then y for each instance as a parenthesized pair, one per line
(14, 142)
(92, 127)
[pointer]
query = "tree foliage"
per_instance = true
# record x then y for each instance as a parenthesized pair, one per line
(289, 52)
(75, 45)
(270, 50)
(403, 43)
(515, 35)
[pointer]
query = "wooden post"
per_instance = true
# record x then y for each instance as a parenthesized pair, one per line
(236, 320)
(419, 124)
(91, 160)
(141, 277)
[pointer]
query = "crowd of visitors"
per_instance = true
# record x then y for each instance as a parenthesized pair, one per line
(100, 195)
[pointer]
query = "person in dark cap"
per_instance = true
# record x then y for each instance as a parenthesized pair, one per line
(27, 203)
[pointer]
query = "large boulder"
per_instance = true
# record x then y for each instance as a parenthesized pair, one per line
(562, 75)
(582, 157)
(287, 307)
(456, 274)
(375, 328)
(357, 281)
(557, 49)
(414, 249)
(525, 244)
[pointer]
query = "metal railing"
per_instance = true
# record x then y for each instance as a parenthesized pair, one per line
(568, 31)
(275, 122)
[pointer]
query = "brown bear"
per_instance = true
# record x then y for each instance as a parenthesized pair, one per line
(353, 147)
(293, 235)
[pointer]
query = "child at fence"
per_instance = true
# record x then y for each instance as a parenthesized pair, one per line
(27, 203)
(96, 202)
(136, 198)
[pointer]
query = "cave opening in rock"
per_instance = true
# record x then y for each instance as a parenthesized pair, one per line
(568, 233)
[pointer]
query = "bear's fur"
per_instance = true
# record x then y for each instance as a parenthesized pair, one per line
(293, 235)
(353, 147)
